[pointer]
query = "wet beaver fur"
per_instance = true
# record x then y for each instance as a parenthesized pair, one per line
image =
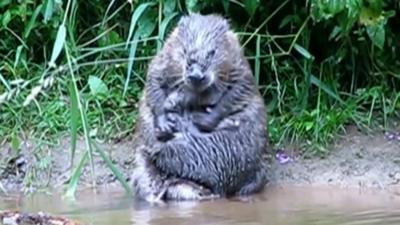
(213, 145)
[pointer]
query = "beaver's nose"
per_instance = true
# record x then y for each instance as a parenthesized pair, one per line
(196, 76)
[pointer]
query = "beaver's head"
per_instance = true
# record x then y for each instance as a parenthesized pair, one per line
(203, 47)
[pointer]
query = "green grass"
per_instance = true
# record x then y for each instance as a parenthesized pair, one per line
(79, 68)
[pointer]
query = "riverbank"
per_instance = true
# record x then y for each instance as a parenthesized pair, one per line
(355, 160)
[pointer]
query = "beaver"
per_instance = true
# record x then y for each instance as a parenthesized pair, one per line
(202, 60)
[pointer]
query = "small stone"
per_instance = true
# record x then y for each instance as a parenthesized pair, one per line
(390, 135)
(398, 137)
(396, 161)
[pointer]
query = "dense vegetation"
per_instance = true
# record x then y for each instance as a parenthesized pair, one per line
(79, 66)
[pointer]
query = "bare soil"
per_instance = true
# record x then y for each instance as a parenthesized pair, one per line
(356, 160)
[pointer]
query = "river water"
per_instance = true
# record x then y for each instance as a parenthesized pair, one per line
(275, 206)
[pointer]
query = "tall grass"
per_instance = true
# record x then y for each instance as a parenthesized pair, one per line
(79, 67)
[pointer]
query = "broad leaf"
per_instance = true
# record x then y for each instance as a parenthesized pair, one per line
(97, 86)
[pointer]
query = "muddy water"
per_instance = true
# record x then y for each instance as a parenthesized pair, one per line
(275, 206)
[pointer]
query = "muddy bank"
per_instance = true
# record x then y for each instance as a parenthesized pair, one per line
(356, 160)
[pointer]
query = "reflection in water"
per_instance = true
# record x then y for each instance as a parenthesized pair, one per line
(276, 206)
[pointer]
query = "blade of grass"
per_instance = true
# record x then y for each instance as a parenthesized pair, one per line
(265, 22)
(132, 54)
(74, 121)
(32, 21)
(163, 28)
(73, 183)
(385, 112)
(113, 168)
(159, 20)
(58, 44)
(95, 26)
(18, 55)
(99, 36)
(5, 83)
(82, 116)
(106, 13)
(317, 82)
(257, 60)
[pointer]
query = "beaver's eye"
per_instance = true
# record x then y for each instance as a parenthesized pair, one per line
(211, 53)
(190, 62)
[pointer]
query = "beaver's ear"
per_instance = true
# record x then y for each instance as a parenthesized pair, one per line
(234, 44)
(232, 38)
(223, 22)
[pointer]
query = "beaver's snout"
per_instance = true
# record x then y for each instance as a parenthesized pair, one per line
(195, 76)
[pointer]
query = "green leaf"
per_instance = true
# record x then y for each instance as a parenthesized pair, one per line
(32, 21)
(4, 3)
(18, 55)
(322, 9)
(48, 12)
(135, 18)
(169, 7)
(251, 6)
(285, 21)
(226, 4)
(15, 143)
(353, 7)
(163, 28)
(377, 35)
(369, 16)
(97, 86)
(308, 125)
(376, 4)
(374, 21)
(303, 51)
(335, 32)
(389, 14)
(6, 18)
(58, 44)
(147, 24)
(191, 5)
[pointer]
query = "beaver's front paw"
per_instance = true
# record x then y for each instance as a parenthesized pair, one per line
(205, 121)
(164, 128)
